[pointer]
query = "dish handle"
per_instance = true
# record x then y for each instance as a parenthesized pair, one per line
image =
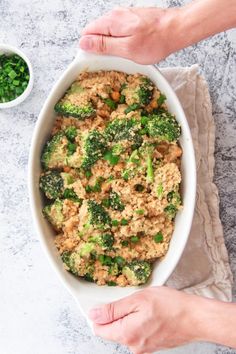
(82, 55)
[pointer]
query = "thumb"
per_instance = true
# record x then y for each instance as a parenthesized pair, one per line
(105, 45)
(114, 311)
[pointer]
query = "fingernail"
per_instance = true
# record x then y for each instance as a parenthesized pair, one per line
(95, 313)
(86, 43)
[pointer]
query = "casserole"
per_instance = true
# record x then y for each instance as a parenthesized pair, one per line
(88, 294)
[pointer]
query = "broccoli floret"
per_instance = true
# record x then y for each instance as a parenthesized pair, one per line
(105, 241)
(53, 153)
(86, 249)
(138, 96)
(94, 148)
(164, 127)
(71, 110)
(52, 184)
(71, 133)
(89, 275)
(174, 200)
(117, 149)
(115, 202)
(133, 165)
(122, 129)
(137, 272)
(69, 193)
(113, 155)
(171, 210)
(113, 269)
(96, 187)
(174, 197)
(145, 92)
(75, 264)
(59, 150)
(70, 259)
(98, 216)
(54, 214)
(146, 152)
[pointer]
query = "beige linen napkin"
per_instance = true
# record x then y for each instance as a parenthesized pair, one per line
(204, 267)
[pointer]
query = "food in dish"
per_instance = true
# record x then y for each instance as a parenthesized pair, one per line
(111, 177)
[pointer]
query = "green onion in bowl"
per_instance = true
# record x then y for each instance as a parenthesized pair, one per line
(16, 76)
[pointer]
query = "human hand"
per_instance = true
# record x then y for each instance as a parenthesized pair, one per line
(144, 35)
(148, 35)
(151, 319)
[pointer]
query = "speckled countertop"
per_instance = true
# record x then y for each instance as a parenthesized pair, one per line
(37, 315)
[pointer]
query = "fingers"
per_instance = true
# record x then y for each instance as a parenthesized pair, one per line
(114, 311)
(120, 22)
(136, 350)
(101, 44)
(111, 331)
(102, 25)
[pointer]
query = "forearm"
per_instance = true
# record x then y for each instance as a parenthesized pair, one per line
(214, 321)
(201, 19)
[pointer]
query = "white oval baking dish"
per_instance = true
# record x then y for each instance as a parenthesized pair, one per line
(88, 294)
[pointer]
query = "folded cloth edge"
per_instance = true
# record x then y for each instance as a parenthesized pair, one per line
(219, 283)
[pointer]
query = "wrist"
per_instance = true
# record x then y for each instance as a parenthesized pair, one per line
(212, 321)
(198, 20)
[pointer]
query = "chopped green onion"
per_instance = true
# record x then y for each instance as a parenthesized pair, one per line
(111, 283)
(159, 191)
(125, 243)
(115, 222)
(112, 104)
(144, 120)
(14, 77)
(124, 222)
(158, 238)
(119, 260)
(132, 107)
(161, 99)
(110, 157)
(139, 211)
(134, 239)
(71, 148)
(122, 99)
(88, 174)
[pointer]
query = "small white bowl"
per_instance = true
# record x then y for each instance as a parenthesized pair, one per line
(8, 49)
(89, 294)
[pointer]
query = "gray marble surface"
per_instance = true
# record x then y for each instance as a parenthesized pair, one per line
(37, 315)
